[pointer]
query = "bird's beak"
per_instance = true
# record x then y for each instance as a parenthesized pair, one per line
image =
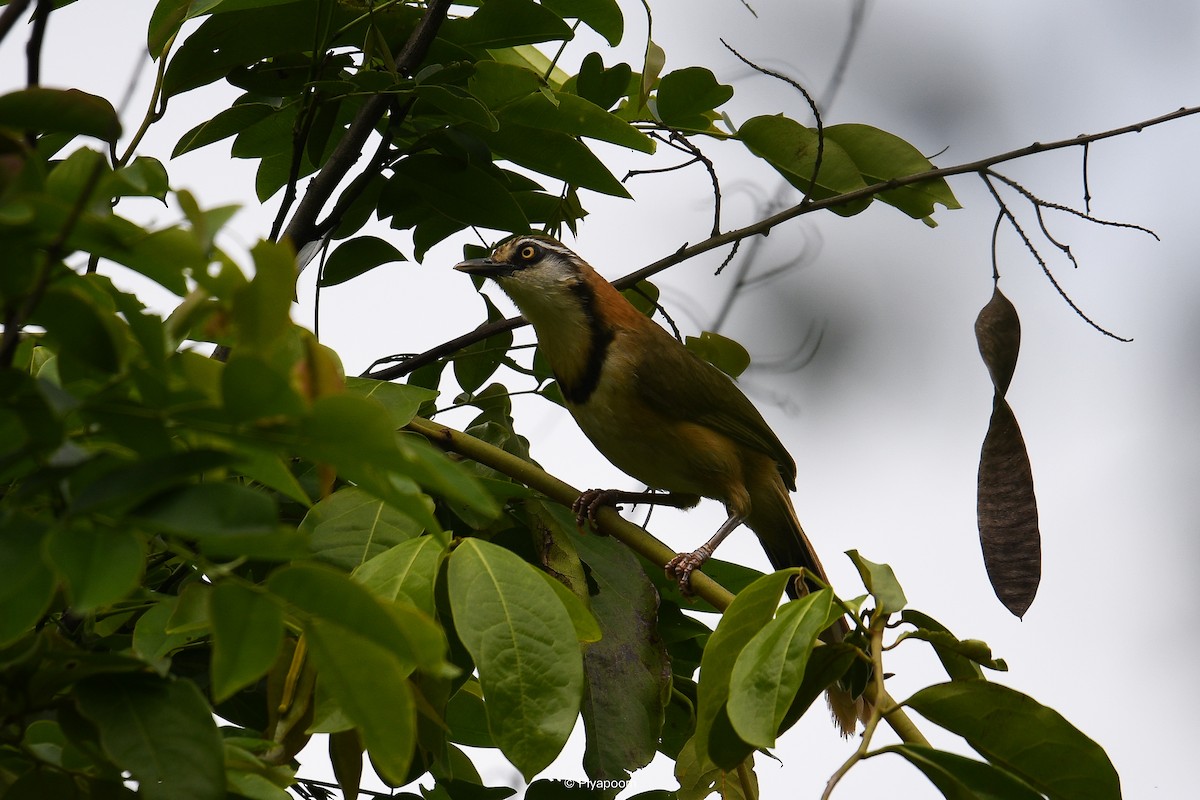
(483, 267)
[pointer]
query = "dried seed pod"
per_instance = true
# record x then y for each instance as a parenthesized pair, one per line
(998, 332)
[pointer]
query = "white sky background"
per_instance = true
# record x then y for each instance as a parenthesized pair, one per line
(887, 420)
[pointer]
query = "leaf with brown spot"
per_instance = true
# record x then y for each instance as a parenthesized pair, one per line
(1007, 512)
(998, 332)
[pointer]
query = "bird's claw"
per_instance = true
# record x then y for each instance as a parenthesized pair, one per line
(588, 505)
(681, 567)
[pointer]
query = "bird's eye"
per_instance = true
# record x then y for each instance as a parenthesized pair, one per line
(528, 253)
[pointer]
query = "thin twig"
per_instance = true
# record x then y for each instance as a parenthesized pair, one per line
(812, 105)
(9, 16)
(33, 48)
(764, 226)
(1029, 245)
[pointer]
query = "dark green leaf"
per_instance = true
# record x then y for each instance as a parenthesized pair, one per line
(252, 390)
(41, 110)
(524, 646)
(211, 509)
(129, 484)
(627, 670)
(602, 16)
(227, 123)
(83, 332)
(555, 154)
(355, 256)
(961, 658)
(459, 191)
(99, 566)
(247, 630)
(161, 730)
(506, 23)
(961, 778)
(26, 583)
(604, 87)
(166, 19)
(577, 116)
(457, 104)
(497, 85)
(1023, 737)
(881, 583)
(686, 95)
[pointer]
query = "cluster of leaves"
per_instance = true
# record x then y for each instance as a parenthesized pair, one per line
(203, 563)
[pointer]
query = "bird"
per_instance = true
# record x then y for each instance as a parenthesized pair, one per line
(658, 412)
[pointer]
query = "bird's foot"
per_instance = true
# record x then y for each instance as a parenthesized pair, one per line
(588, 505)
(681, 567)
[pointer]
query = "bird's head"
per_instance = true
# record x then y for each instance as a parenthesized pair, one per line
(533, 270)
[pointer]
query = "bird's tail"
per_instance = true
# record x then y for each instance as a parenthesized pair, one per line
(774, 521)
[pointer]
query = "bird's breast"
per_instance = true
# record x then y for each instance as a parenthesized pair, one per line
(664, 453)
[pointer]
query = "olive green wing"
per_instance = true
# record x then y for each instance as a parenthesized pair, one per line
(683, 385)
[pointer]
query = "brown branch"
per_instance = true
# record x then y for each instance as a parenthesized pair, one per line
(611, 523)
(9, 17)
(302, 228)
(764, 226)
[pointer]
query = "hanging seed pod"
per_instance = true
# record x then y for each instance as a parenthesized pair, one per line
(1007, 513)
(998, 332)
(1006, 503)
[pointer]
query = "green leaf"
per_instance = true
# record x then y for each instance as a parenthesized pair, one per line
(523, 644)
(1022, 736)
(685, 96)
(627, 670)
(211, 509)
(350, 527)
(161, 730)
(476, 363)
(497, 85)
(961, 778)
(406, 571)
(769, 670)
(587, 629)
(960, 658)
(369, 683)
(754, 606)
(602, 16)
(326, 594)
(722, 352)
(144, 177)
(577, 116)
(130, 484)
(457, 190)
(401, 400)
(457, 104)
(165, 21)
(506, 23)
(253, 390)
(555, 154)
(99, 565)
(601, 86)
(262, 308)
(355, 256)
(791, 149)
(81, 330)
(225, 124)
(881, 156)
(41, 110)
(247, 631)
(881, 583)
(26, 583)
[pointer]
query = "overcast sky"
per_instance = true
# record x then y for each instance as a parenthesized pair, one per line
(886, 420)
